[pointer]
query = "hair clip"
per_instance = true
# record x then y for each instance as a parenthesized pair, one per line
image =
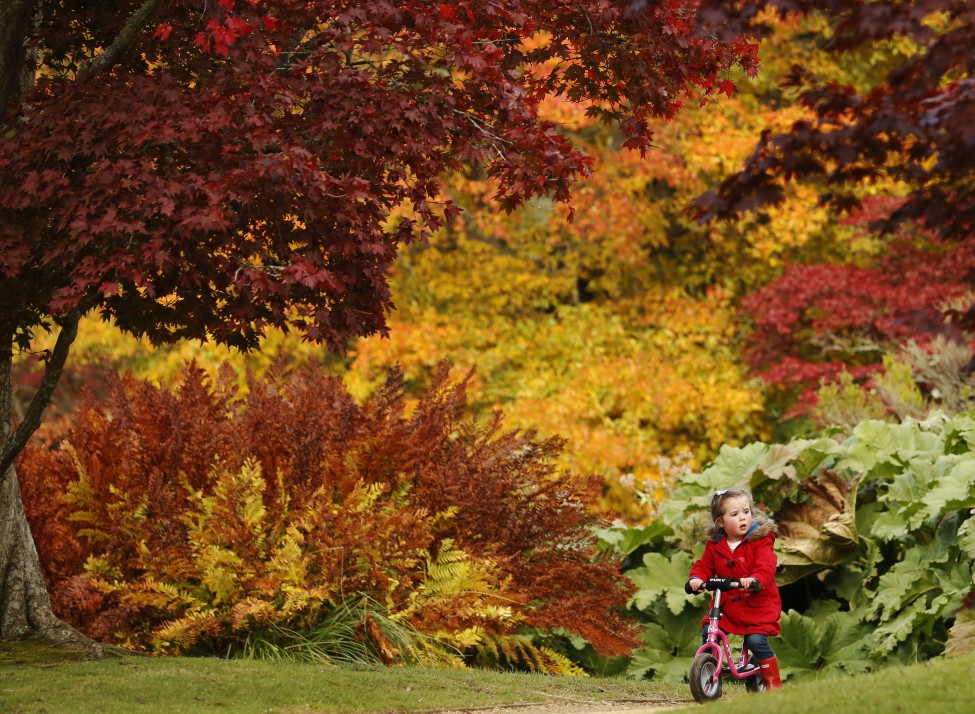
(722, 492)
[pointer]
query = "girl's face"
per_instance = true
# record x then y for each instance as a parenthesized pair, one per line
(737, 518)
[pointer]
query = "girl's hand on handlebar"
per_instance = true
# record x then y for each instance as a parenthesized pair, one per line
(750, 584)
(695, 584)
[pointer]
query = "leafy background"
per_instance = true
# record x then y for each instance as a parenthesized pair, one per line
(608, 373)
(876, 552)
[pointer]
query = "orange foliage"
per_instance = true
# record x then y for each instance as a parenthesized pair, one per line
(174, 521)
(618, 331)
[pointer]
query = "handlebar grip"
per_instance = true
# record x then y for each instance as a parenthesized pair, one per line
(720, 584)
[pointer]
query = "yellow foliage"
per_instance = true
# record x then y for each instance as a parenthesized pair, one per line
(364, 496)
(514, 652)
(102, 345)
(154, 593)
(183, 633)
(101, 567)
(287, 564)
(617, 331)
(249, 611)
(221, 569)
(622, 389)
(463, 639)
(460, 600)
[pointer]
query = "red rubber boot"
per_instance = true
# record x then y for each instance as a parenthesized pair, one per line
(770, 673)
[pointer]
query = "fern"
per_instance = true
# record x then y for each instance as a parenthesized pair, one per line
(220, 572)
(161, 596)
(452, 572)
(355, 631)
(287, 563)
(252, 613)
(515, 652)
(270, 508)
(184, 633)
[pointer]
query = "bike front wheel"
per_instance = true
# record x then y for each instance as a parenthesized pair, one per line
(704, 685)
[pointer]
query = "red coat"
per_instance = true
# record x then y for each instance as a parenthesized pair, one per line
(745, 612)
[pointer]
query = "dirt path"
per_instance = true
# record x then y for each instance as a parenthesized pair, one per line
(555, 704)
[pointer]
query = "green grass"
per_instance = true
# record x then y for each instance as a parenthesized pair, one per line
(939, 686)
(34, 680)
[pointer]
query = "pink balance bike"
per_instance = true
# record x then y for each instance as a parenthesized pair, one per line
(714, 658)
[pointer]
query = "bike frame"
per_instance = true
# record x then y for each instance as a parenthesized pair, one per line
(717, 644)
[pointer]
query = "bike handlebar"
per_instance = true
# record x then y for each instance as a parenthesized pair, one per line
(712, 584)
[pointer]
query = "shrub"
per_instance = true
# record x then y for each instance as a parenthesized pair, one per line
(200, 519)
(876, 547)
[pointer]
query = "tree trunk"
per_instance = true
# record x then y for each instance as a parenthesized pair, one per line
(25, 608)
(18, 18)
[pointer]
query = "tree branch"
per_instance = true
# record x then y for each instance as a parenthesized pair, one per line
(16, 441)
(123, 41)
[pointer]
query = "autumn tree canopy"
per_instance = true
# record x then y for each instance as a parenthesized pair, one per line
(905, 133)
(211, 169)
(223, 163)
(914, 125)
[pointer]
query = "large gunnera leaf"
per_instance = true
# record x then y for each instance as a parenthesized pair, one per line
(819, 530)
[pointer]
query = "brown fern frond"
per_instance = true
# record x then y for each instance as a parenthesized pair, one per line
(251, 612)
(182, 634)
(515, 652)
(267, 505)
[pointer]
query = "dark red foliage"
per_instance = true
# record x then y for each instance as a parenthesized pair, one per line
(917, 126)
(819, 320)
(227, 166)
(212, 168)
(144, 451)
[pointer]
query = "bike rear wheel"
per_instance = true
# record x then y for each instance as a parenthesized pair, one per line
(756, 683)
(704, 686)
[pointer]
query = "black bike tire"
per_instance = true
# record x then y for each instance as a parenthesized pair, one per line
(701, 678)
(756, 683)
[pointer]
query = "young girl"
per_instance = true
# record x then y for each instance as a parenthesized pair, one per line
(739, 546)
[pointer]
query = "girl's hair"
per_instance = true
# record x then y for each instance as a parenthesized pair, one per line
(714, 532)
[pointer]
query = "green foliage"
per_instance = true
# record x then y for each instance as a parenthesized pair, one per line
(290, 521)
(670, 646)
(845, 403)
(581, 653)
(354, 632)
(661, 577)
(823, 640)
(877, 527)
(672, 619)
(914, 381)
